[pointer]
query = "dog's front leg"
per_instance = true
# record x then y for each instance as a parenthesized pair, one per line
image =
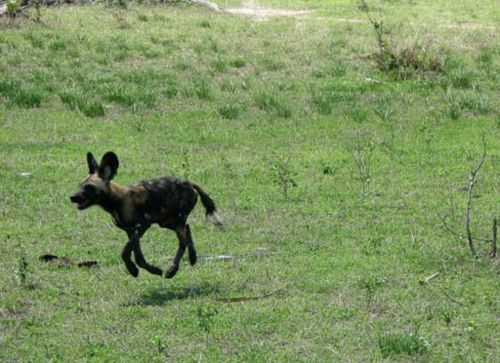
(126, 252)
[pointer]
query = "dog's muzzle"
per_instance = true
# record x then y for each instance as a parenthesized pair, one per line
(81, 202)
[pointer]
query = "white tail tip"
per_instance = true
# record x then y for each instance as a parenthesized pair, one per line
(216, 219)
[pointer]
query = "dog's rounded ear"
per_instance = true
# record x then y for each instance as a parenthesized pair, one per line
(109, 166)
(92, 163)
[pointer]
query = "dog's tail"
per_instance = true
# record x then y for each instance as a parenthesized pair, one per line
(210, 208)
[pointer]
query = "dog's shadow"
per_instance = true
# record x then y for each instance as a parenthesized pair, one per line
(161, 296)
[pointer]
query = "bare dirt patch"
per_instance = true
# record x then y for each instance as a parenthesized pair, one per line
(251, 8)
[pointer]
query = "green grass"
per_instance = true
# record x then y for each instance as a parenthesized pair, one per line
(330, 173)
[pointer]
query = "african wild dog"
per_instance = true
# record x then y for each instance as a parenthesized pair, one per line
(166, 201)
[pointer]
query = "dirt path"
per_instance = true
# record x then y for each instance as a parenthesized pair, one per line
(251, 8)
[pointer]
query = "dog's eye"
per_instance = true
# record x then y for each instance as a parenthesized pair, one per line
(89, 188)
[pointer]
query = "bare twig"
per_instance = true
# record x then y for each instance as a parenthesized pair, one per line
(450, 297)
(493, 252)
(448, 228)
(472, 183)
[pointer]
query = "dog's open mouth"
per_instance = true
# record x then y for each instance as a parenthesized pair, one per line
(80, 202)
(83, 205)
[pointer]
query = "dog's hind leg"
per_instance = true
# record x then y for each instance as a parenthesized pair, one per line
(181, 232)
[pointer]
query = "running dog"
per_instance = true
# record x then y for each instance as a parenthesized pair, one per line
(166, 201)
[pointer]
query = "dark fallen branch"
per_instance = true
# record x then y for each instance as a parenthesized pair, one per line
(64, 261)
(246, 298)
(493, 252)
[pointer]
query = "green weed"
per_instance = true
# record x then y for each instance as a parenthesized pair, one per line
(273, 105)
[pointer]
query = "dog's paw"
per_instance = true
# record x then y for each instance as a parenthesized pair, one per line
(134, 271)
(192, 257)
(171, 271)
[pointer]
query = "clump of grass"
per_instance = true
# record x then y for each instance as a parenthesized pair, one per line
(230, 111)
(461, 77)
(20, 94)
(202, 89)
(336, 69)
(325, 98)
(129, 96)
(219, 65)
(273, 105)
(384, 109)
(237, 63)
(170, 87)
(206, 320)
(402, 343)
(35, 40)
(476, 103)
(23, 269)
(272, 65)
(204, 24)
(322, 101)
(88, 106)
(143, 17)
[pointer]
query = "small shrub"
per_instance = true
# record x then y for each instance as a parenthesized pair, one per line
(403, 61)
(284, 174)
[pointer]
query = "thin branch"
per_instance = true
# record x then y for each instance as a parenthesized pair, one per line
(448, 228)
(493, 252)
(472, 183)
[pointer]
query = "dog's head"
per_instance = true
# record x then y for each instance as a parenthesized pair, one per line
(95, 186)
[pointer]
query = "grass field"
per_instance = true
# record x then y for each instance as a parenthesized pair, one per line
(330, 171)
